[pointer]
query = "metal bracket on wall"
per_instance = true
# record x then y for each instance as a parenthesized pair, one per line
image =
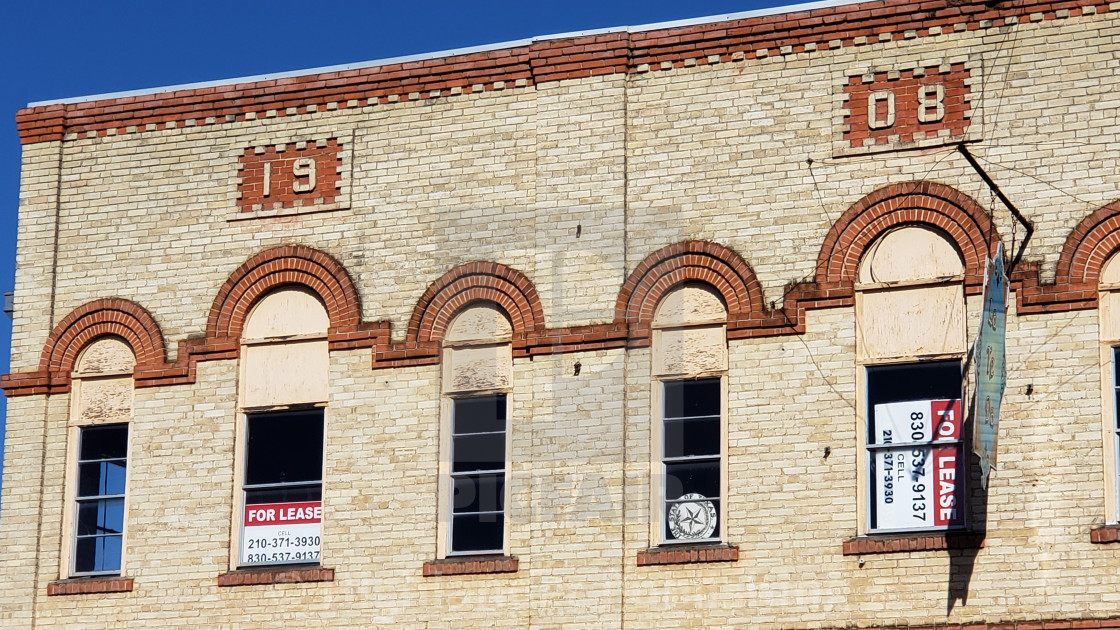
(9, 304)
(1027, 225)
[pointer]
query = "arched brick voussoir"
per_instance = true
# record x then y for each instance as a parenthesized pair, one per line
(99, 318)
(688, 261)
(284, 266)
(952, 212)
(1095, 239)
(470, 283)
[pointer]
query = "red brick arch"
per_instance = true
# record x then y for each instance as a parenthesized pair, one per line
(100, 318)
(476, 282)
(282, 266)
(698, 261)
(1095, 239)
(952, 212)
(105, 317)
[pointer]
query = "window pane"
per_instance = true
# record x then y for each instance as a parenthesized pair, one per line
(481, 532)
(297, 494)
(104, 442)
(479, 493)
(478, 452)
(692, 478)
(285, 447)
(692, 520)
(479, 415)
(1115, 371)
(916, 381)
(100, 478)
(105, 516)
(692, 398)
(684, 438)
(99, 554)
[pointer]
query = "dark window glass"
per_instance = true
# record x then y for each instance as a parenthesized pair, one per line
(99, 513)
(914, 381)
(101, 517)
(482, 493)
(101, 554)
(479, 452)
(688, 399)
(691, 437)
(285, 448)
(478, 443)
(485, 414)
(101, 478)
(692, 478)
(285, 494)
(104, 442)
(691, 449)
(477, 532)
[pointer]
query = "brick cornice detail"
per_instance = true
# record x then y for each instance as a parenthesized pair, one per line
(1089, 245)
(292, 265)
(471, 566)
(470, 283)
(963, 221)
(105, 317)
(90, 586)
(289, 575)
(902, 543)
(697, 261)
(688, 554)
(960, 219)
(815, 31)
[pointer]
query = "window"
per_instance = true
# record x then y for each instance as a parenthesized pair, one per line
(99, 509)
(689, 437)
(1115, 420)
(283, 486)
(691, 460)
(478, 474)
(1109, 318)
(477, 403)
(283, 393)
(910, 343)
(914, 449)
(101, 398)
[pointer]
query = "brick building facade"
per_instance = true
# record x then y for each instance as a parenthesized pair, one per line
(595, 331)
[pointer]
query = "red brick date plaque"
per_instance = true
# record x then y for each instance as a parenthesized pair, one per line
(921, 106)
(298, 175)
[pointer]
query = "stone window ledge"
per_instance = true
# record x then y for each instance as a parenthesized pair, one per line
(687, 554)
(90, 585)
(276, 575)
(1105, 534)
(471, 565)
(903, 543)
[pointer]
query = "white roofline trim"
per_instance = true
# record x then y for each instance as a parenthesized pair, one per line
(363, 65)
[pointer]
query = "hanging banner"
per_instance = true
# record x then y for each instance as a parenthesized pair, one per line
(991, 365)
(281, 533)
(918, 484)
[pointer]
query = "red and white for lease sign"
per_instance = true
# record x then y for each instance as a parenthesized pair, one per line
(281, 533)
(919, 485)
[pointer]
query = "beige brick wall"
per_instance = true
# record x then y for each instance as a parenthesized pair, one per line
(635, 163)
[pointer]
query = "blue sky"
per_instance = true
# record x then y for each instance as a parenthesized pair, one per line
(51, 49)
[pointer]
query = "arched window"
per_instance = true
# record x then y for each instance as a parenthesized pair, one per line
(910, 343)
(100, 412)
(283, 395)
(689, 398)
(475, 440)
